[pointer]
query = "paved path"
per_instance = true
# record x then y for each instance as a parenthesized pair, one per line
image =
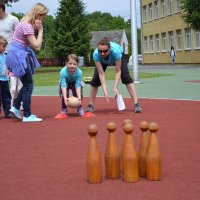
(175, 86)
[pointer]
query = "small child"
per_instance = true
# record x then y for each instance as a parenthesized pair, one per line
(70, 79)
(5, 97)
(172, 55)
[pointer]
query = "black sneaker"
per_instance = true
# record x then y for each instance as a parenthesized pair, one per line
(137, 108)
(90, 108)
(8, 116)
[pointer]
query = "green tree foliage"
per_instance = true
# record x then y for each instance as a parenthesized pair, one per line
(9, 1)
(18, 15)
(48, 27)
(104, 21)
(70, 32)
(191, 14)
(99, 21)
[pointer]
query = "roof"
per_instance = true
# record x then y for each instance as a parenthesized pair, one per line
(114, 36)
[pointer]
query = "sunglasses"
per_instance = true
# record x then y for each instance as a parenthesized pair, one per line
(103, 51)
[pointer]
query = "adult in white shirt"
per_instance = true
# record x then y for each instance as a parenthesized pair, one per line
(7, 27)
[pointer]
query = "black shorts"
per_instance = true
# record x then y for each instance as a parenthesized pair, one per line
(125, 76)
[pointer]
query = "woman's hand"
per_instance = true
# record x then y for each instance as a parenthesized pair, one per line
(106, 96)
(38, 24)
(116, 92)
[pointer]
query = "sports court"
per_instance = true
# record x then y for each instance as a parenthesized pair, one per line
(48, 160)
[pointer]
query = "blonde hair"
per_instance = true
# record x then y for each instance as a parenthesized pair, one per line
(3, 40)
(38, 9)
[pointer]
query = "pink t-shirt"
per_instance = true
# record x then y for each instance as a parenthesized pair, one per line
(22, 30)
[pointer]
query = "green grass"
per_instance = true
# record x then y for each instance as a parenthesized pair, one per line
(49, 76)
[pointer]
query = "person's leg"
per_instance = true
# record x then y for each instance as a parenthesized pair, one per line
(6, 98)
(25, 93)
(173, 59)
(80, 110)
(132, 92)
(93, 94)
(94, 84)
(0, 95)
(64, 107)
(13, 87)
(128, 81)
(19, 85)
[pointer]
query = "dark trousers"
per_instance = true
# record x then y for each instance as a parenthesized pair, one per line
(5, 97)
(25, 93)
(125, 76)
(71, 86)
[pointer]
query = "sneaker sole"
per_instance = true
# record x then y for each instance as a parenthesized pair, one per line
(15, 116)
(91, 111)
(138, 111)
(31, 121)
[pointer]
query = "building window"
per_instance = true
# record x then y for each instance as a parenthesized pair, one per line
(188, 38)
(164, 42)
(163, 8)
(145, 13)
(157, 38)
(150, 12)
(171, 39)
(156, 10)
(179, 39)
(178, 5)
(145, 44)
(197, 39)
(151, 44)
(170, 7)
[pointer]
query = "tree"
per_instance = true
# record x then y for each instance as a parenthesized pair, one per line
(9, 1)
(18, 15)
(48, 27)
(191, 14)
(70, 30)
(104, 21)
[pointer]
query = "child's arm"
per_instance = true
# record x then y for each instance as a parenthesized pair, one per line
(63, 85)
(78, 92)
(64, 94)
(78, 85)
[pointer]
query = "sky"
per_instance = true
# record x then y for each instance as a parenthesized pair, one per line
(114, 7)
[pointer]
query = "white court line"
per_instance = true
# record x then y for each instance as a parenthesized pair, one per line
(127, 98)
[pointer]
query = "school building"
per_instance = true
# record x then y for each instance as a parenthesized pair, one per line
(162, 27)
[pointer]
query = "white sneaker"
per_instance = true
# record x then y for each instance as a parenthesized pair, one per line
(15, 113)
(32, 118)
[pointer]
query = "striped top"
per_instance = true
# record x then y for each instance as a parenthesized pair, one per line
(22, 30)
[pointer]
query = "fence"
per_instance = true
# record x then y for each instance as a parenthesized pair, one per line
(47, 62)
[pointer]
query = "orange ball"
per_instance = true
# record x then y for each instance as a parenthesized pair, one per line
(73, 102)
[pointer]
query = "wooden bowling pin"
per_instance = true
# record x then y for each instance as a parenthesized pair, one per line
(124, 138)
(125, 122)
(124, 135)
(130, 156)
(153, 160)
(94, 165)
(112, 155)
(144, 143)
